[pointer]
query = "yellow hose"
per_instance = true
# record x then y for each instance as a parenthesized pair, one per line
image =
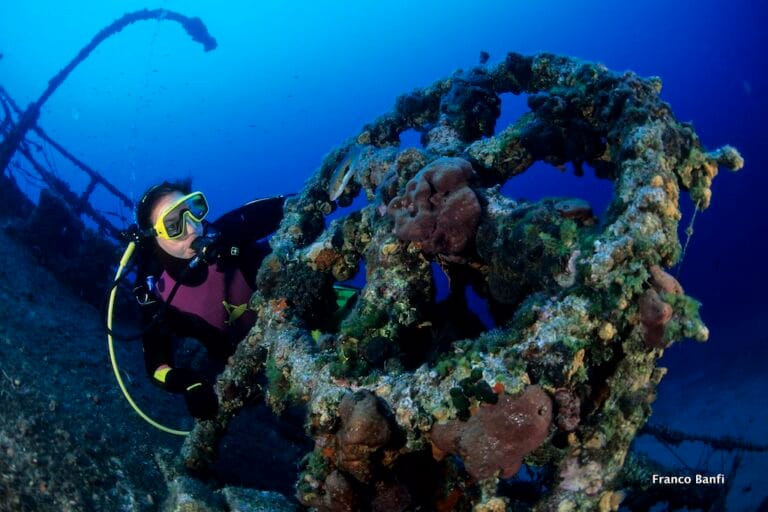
(123, 263)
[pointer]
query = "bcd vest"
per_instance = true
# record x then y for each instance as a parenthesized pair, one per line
(213, 299)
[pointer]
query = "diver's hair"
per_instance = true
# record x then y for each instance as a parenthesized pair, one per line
(153, 194)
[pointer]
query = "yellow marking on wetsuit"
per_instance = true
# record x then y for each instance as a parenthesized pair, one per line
(195, 385)
(161, 374)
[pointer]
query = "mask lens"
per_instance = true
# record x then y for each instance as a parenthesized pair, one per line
(197, 206)
(194, 205)
(174, 221)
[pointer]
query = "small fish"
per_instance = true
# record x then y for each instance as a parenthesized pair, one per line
(234, 312)
(343, 173)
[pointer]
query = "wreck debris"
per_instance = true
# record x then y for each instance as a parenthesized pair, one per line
(676, 437)
(573, 299)
(78, 204)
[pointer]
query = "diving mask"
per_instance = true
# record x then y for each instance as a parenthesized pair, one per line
(171, 222)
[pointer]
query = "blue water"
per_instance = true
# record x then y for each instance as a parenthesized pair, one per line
(290, 80)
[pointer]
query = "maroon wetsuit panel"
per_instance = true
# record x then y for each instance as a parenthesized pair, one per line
(206, 299)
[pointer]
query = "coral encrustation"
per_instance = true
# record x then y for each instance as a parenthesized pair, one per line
(582, 305)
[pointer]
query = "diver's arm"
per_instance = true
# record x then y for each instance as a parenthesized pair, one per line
(252, 221)
(199, 396)
(157, 343)
(158, 340)
(251, 258)
(242, 230)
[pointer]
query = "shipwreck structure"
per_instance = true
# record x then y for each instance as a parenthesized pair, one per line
(412, 404)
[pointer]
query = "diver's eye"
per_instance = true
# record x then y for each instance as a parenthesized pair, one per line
(173, 223)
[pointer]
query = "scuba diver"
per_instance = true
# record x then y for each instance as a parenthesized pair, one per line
(194, 279)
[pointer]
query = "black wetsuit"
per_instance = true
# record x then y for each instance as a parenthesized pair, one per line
(241, 251)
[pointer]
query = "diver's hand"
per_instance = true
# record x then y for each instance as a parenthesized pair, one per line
(202, 401)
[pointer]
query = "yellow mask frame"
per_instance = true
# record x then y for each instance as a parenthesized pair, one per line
(172, 221)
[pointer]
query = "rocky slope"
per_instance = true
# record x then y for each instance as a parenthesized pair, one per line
(68, 439)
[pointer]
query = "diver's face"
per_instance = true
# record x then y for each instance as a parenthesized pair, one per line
(178, 247)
